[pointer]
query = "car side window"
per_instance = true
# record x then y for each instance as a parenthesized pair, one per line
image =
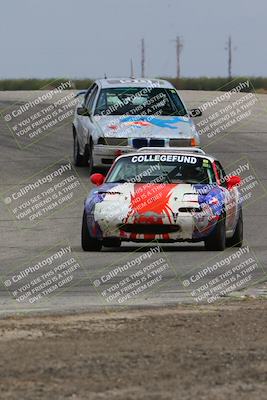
(90, 101)
(222, 174)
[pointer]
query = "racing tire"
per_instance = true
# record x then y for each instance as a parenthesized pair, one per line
(216, 241)
(89, 243)
(237, 239)
(79, 161)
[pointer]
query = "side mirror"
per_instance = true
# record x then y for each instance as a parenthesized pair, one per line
(195, 112)
(233, 181)
(97, 179)
(83, 111)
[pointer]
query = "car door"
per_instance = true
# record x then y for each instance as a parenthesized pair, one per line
(231, 198)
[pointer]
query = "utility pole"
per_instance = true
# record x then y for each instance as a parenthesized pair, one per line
(229, 48)
(142, 58)
(179, 47)
(132, 69)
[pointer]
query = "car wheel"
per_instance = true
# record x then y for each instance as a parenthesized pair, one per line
(89, 243)
(79, 161)
(237, 239)
(216, 241)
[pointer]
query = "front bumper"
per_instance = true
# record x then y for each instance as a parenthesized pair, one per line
(111, 223)
(105, 154)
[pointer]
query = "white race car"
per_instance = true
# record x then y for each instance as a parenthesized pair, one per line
(119, 115)
(164, 195)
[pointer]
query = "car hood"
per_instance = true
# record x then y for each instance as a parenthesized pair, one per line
(140, 126)
(143, 198)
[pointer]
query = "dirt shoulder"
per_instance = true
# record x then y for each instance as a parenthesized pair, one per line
(208, 352)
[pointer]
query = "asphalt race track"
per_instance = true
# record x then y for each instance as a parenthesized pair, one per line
(20, 243)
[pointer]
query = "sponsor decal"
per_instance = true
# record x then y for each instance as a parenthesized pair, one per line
(164, 157)
(149, 205)
(206, 163)
(145, 121)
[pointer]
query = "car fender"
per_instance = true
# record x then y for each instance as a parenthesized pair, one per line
(233, 219)
(84, 128)
(231, 207)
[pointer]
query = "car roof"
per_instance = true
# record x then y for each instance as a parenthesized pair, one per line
(165, 150)
(133, 82)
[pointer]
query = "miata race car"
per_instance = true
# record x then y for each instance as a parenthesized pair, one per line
(164, 196)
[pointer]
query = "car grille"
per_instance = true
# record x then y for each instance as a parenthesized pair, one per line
(151, 229)
(140, 142)
(143, 142)
(180, 143)
(190, 209)
(157, 143)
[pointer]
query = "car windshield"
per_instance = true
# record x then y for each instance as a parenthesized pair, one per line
(162, 168)
(139, 101)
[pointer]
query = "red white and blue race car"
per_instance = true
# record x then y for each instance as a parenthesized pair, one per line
(163, 195)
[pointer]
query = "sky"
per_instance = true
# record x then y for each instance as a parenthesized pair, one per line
(91, 38)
